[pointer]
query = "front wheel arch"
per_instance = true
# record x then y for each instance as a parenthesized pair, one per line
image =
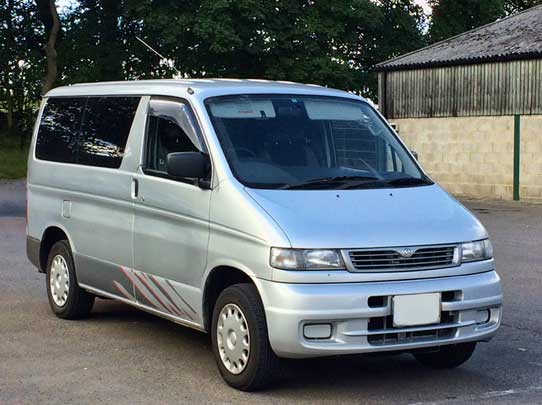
(218, 280)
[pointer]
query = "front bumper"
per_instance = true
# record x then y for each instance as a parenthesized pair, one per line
(360, 314)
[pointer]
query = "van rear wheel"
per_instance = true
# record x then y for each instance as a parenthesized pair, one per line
(450, 356)
(240, 341)
(66, 298)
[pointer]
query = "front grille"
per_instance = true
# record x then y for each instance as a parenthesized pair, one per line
(401, 259)
(384, 333)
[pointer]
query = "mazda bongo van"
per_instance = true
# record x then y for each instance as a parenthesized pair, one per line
(285, 220)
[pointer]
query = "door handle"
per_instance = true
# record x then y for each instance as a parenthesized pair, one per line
(135, 188)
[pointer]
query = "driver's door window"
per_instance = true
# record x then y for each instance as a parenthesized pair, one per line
(164, 136)
(171, 127)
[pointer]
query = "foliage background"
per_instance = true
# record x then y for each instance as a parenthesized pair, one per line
(328, 42)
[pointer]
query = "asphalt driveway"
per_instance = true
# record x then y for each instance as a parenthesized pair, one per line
(121, 355)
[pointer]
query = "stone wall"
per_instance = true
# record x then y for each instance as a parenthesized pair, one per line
(474, 156)
(530, 179)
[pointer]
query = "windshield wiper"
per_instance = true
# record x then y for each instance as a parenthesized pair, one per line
(353, 182)
(326, 181)
(383, 183)
(408, 181)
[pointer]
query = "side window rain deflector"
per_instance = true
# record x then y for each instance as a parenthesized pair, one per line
(180, 113)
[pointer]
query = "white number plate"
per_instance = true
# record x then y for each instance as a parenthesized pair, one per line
(416, 309)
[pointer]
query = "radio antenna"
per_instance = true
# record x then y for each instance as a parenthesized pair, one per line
(162, 57)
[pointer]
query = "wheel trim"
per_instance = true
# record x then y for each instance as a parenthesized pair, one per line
(59, 280)
(233, 338)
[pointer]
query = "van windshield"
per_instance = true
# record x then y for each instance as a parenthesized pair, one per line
(310, 142)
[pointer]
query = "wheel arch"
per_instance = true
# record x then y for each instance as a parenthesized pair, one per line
(51, 235)
(218, 279)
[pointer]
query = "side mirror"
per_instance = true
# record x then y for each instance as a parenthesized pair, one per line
(415, 154)
(191, 165)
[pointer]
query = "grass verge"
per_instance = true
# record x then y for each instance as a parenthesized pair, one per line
(12, 158)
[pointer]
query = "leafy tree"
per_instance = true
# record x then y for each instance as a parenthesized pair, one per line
(21, 62)
(513, 6)
(284, 39)
(96, 43)
(334, 43)
(453, 17)
(402, 28)
(49, 16)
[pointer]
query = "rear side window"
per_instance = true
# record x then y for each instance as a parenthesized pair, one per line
(90, 131)
(105, 130)
(59, 128)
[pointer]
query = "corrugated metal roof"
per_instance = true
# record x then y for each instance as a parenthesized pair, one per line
(518, 36)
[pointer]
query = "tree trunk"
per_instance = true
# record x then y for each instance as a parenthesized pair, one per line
(10, 109)
(10, 44)
(50, 51)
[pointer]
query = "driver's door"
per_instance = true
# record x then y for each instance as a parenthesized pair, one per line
(171, 224)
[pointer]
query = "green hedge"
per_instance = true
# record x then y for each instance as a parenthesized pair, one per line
(12, 158)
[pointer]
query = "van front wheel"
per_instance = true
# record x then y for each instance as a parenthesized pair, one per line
(66, 298)
(240, 340)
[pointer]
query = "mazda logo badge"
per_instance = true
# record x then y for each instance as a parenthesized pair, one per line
(406, 252)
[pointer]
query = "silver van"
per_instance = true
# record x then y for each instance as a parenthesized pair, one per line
(286, 220)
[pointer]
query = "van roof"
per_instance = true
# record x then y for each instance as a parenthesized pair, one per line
(199, 88)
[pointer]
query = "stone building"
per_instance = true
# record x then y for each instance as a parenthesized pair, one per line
(471, 106)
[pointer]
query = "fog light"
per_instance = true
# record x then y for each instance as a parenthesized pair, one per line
(317, 331)
(483, 316)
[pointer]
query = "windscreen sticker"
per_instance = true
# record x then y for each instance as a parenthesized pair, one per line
(243, 109)
(333, 110)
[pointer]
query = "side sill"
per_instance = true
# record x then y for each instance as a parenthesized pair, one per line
(145, 308)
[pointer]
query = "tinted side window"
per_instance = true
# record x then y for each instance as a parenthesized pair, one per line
(105, 130)
(59, 127)
(163, 137)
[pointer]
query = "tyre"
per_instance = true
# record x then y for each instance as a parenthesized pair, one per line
(66, 298)
(240, 341)
(447, 356)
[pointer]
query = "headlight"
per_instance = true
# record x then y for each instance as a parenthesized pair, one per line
(479, 250)
(304, 259)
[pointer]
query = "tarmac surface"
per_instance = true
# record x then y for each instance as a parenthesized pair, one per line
(122, 355)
